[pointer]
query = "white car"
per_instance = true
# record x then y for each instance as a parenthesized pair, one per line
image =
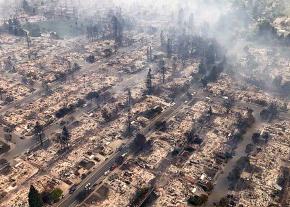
(88, 186)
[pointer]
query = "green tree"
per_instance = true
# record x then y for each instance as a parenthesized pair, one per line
(56, 194)
(197, 200)
(34, 198)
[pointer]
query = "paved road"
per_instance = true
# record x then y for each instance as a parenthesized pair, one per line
(71, 200)
(27, 99)
(222, 183)
(29, 143)
(99, 172)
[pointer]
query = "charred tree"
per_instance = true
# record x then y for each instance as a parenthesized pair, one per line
(38, 131)
(174, 67)
(149, 54)
(149, 85)
(129, 117)
(169, 48)
(117, 30)
(46, 88)
(28, 41)
(162, 40)
(64, 138)
(162, 69)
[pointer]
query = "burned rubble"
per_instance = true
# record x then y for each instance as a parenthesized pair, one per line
(133, 103)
